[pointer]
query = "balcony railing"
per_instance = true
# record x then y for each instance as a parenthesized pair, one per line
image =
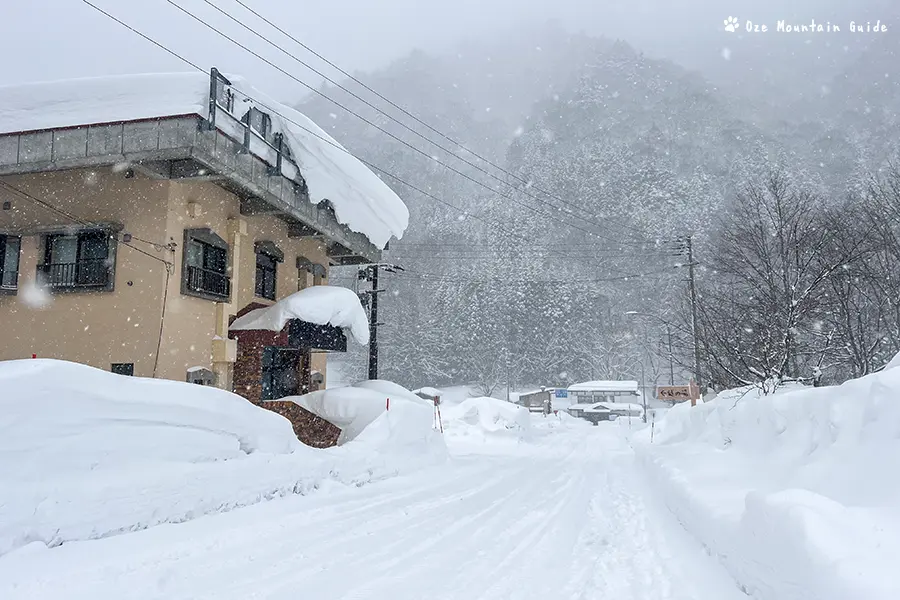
(9, 281)
(208, 282)
(93, 273)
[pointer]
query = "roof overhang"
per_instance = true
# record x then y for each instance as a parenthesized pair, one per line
(180, 147)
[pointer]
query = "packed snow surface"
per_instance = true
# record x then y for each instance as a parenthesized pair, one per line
(361, 200)
(319, 304)
(795, 492)
(144, 489)
(564, 518)
(88, 454)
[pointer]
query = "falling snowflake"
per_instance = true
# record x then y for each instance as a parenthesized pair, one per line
(726, 53)
(35, 296)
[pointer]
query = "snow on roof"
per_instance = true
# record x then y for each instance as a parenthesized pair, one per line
(320, 304)
(604, 407)
(361, 200)
(615, 407)
(605, 386)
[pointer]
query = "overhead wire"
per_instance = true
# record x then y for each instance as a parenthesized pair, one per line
(509, 280)
(84, 223)
(497, 225)
(406, 112)
(385, 131)
(380, 111)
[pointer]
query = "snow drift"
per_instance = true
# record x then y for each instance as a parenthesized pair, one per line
(487, 417)
(354, 408)
(320, 304)
(87, 454)
(795, 491)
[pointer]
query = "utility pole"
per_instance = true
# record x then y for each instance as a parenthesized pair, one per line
(671, 356)
(643, 391)
(370, 273)
(693, 289)
(373, 326)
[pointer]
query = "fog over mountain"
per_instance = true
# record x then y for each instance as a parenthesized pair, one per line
(603, 145)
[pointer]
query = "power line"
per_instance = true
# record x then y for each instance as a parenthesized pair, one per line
(507, 280)
(379, 128)
(299, 125)
(26, 196)
(380, 111)
(409, 114)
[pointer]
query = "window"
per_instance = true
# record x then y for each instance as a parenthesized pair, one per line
(304, 271)
(268, 255)
(259, 122)
(320, 274)
(84, 260)
(266, 269)
(224, 95)
(9, 263)
(123, 369)
(205, 266)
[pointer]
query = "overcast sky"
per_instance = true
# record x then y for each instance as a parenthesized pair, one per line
(53, 39)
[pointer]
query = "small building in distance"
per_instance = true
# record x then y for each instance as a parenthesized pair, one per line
(539, 401)
(605, 411)
(591, 392)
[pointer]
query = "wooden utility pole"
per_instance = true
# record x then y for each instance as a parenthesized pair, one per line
(373, 324)
(671, 356)
(370, 273)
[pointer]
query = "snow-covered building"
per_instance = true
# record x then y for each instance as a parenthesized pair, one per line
(603, 391)
(142, 214)
(605, 411)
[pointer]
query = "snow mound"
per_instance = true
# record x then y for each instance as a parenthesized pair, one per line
(320, 304)
(361, 200)
(407, 429)
(91, 419)
(793, 491)
(87, 454)
(895, 362)
(391, 390)
(353, 409)
(487, 417)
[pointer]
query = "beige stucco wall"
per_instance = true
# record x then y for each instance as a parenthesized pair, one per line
(95, 328)
(100, 328)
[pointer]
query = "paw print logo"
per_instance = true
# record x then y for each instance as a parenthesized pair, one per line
(731, 24)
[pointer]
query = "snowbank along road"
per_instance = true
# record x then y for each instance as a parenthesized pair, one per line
(567, 516)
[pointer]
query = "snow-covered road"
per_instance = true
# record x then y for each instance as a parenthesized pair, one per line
(566, 517)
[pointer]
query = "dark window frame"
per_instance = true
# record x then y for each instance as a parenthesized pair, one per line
(268, 255)
(212, 275)
(258, 121)
(224, 95)
(9, 279)
(86, 274)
